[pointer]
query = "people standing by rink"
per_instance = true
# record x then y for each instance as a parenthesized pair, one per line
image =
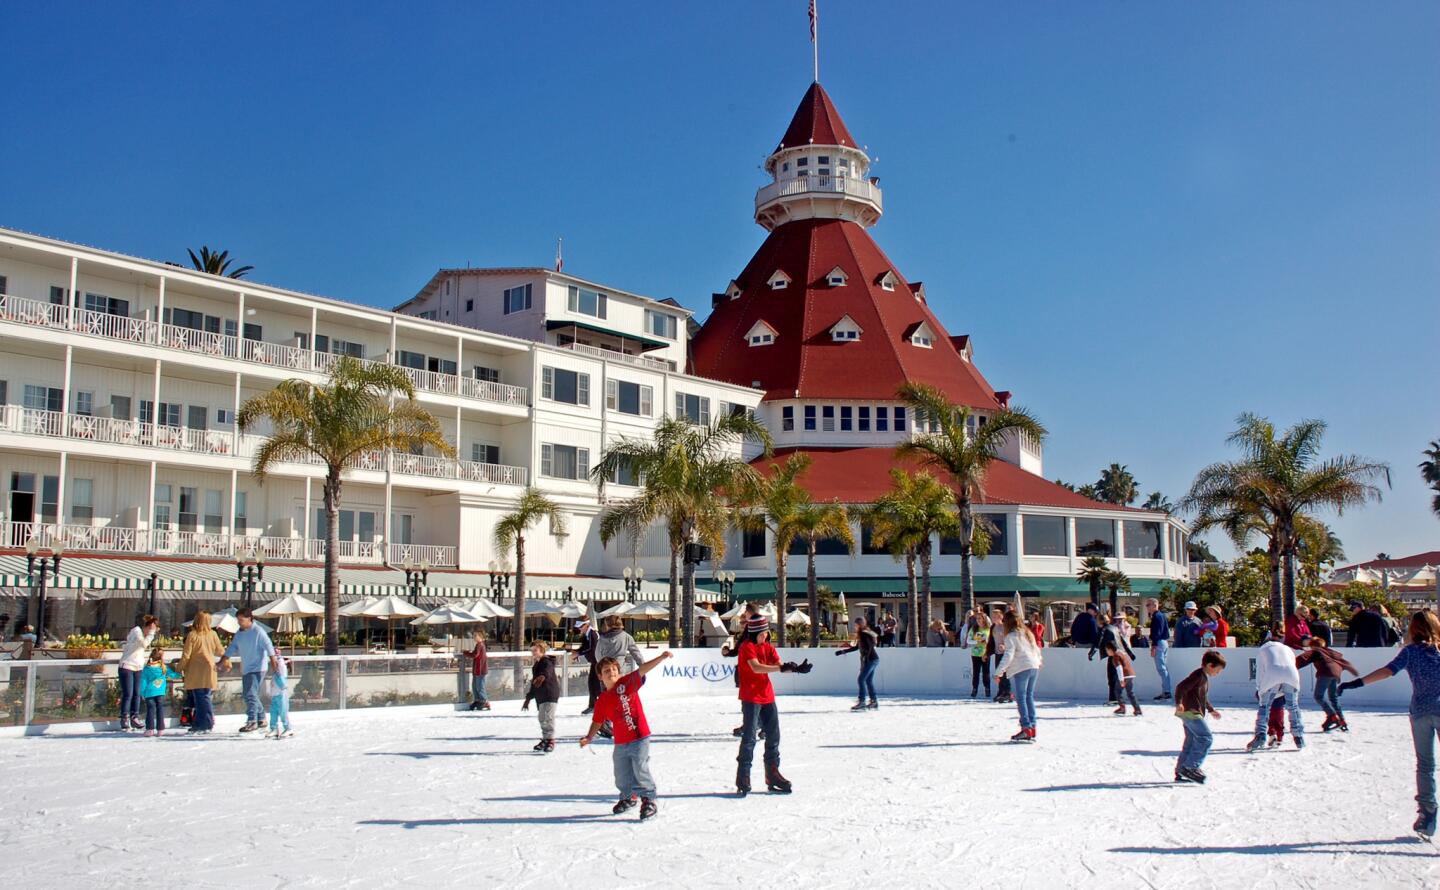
(198, 660)
(589, 642)
(154, 680)
(619, 707)
(278, 686)
(1192, 705)
(979, 636)
(1421, 660)
(253, 645)
(479, 668)
(1021, 663)
(1277, 679)
(1125, 674)
(132, 662)
(1159, 645)
(865, 641)
(1188, 628)
(1085, 629)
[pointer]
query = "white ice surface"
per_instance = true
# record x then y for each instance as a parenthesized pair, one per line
(921, 793)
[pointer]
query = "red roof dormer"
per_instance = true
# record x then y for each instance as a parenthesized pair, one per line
(816, 122)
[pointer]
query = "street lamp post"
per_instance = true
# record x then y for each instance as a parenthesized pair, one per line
(416, 577)
(152, 586)
(633, 577)
(499, 581)
(33, 559)
(248, 570)
(725, 582)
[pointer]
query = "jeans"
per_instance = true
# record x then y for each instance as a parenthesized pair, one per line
(129, 694)
(477, 689)
(1002, 685)
(1291, 696)
(632, 769)
(155, 712)
(1024, 683)
(867, 679)
(1198, 739)
(1327, 696)
(250, 688)
(1162, 665)
(759, 717)
(594, 686)
(1127, 690)
(202, 710)
(280, 711)
(1423, 729)
(546, 712)
(979, 670)
(1112, 679)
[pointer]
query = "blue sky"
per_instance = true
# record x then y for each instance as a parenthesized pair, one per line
(1150, 216)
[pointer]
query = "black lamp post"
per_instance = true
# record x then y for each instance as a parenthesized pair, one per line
(725, 583)
(48, 566)
(248, 570)
(153, 586)
(633, 577)
(416, 578)
(499, 581)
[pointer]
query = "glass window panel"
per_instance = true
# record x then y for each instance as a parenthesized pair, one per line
(1142, 539)
(1094, 537)
(1045, 536)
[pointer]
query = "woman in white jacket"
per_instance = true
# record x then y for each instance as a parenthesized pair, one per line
(1021, 663)
(132, 663)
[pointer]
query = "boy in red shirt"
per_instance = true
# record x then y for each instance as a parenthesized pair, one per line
(620, 705)
(757, 660)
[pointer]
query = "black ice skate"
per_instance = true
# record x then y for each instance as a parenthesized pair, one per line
(647, 809)
(742, 782)
(776, 782)
(622, 805)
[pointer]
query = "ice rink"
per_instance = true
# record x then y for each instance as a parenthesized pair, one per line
(925, 792)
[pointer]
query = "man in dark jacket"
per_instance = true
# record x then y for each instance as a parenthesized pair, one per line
(1110, 636)
(589, 638)
(1367, 628)
(1188, 629)
(1085, 629)
(1159, 645)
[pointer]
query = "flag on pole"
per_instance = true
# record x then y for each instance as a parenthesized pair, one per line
(813, 18)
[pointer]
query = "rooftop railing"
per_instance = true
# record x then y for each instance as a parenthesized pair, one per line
(827, 185)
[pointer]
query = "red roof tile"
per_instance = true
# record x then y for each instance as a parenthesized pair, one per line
(804, 359)
(860, 475)
(816, 122)
(1419, 560)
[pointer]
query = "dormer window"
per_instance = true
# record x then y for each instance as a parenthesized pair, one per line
(802, 163)
(733, 291)
(760, 334)
(888, 281)
(779, 281)
(921, 335)
(845, 330)
(837, 277)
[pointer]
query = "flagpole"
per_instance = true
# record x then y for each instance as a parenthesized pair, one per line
(815, 40)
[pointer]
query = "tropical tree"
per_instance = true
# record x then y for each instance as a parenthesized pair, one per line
(814, 523)
(360, 410)
(1088, 490)
(216, 263)
(963, 457)
(510, 531)
(1158, 501)
(1116, 581)
(1094, 573)
(1279, 479)
(692, 474)
(773, 503)
(903, 520)
(1430, 472)
(1318, 548)
(1117, 486)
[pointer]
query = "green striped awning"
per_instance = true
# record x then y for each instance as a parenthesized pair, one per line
(943, 585)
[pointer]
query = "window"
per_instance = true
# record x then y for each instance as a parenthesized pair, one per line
(999, 530)
(50, 499)
(120, 407)
(864, 419)
(836, 278)
(846, 424)
(345, 347)
(887, 281)
(695, 409)
(82, 505)
(43, 398)
(779, 280)
(407, 359)
(517, 299)
(868, 547)
(4, 392)
(1142, 539)
(802, 162)
(484, 453)
(188, 506)
(162, 506)
(628, 398)
(752, 542)
(59, 296)
(842, 336)
(560, 385)
(626, 474)
(1045, 536)
(823, 547)
(242, 519)
(213, 517)
(224, 416)
(169, 413)
(489, 375)
(4, 284)
(1094, 537)
(84, 403)
(429, 314)
(827, 418)
(196, 418)
(921, 339)
(564, 461)
(470, 305)
(787, 419)
(252, 331)
(882, 419)
(760, 338)
(106, 305)
(440, 365)
(810, 417)
(586, 302)
(402, 528)
(730, 409)
(899, 419)
(661, 324)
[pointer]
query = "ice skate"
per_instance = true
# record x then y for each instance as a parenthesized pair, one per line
(776, 782)
(1181, 777)
(1299, 743)
(1273, 741)
(1255, 744)
(742, 782)
(647, 809)
(1137, 710)
(549, 746)
(539, 747)
(1120, 710)
(1330, 723)
(872, 705)
(622, 805)
(858, 706)
(1425, 825)
(1344, 727)
(1030, 734)
(1022, 736)
(1194, 775)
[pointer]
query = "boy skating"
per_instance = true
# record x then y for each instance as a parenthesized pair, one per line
(1125, 674)
(1192, 704)
(1329, 667)
(545, 691)
(758, 659)
(620, 705)
(1277, 677)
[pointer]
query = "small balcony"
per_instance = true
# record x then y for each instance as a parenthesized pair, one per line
(862, 191)
(611, 355)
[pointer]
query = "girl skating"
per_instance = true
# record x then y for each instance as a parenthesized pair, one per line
(865, 640)
(1021, 664)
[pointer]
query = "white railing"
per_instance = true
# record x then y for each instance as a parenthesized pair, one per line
(641, 361)
(438, 556)
(189, 543)
(504, 393)
(497, 474)
(73, 536)
(276, 355)
(829, 185)
(421, 465)
(31, 312)
(18, 419)
(115, 327)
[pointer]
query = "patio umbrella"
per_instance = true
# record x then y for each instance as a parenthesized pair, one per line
(290, 604)
(1049, 625)
(225, 620)
(617, 609)
(357, 608)
(733, 612)
(1020, 606)
(448, 615)
(391, 609)
(647, 612)
(797, 617)
(484, 608)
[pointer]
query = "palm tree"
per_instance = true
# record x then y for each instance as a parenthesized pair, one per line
(216, 263)
(691, 474)
(963, 456)
(1279, 479)
(1319, 547)
(1430, 472)
(1117, 486)
(354, 413)
(813, 523)
(1088, 490)
(1158, 501)
(774, 503)
(1094, 571)
(510, 532)
(904, 519)
(1116, 581)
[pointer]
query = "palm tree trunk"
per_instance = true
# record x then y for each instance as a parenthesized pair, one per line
(812, 595)
(331, 496)
(1095, 593)
(782, 562)
(687, 608)
(926, 556)
(1277, 598)
(1287, 563)
(674, 604)
(519, 632)
(967, 535)
(912, 598)
(1114, 600)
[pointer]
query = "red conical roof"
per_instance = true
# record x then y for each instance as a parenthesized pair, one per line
(805, 361)
(816, 122)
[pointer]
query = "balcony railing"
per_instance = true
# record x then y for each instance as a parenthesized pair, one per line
(825, 185)
(641, 361)
(36, 313)
(80, 538)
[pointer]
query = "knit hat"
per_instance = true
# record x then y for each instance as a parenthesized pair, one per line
(757, 624)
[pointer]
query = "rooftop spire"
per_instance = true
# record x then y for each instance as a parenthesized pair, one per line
(816, 122)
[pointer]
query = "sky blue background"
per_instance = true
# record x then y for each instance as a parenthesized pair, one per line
(1150, 216)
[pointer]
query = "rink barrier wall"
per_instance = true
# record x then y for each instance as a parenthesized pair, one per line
(1067, 674)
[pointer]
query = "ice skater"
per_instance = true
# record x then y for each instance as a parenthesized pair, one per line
(1021, 664)
(731, 649)
(758, 659)
(1277, 678)
(979, 636)
(615, 643)
(620, 706)
(1329, 664)
(1125, 674)
(545, 692)
(1003, 694)
(479, 668)
(1110, 634)
(153, 680)
(1192, 705)
(279, 689)
(589, 642)
(1421, 659)
(865, 641)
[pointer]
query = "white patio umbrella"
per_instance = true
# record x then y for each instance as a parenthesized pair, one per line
(290, 604)
(487, 609)
(1020, 606)
(647, 612)
(733, 612)
(572, 611)
(1049, 625)
(391, 609)
(355, 609)
(797, 617)
(225, 620)
(617, 609)
(448, 615)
